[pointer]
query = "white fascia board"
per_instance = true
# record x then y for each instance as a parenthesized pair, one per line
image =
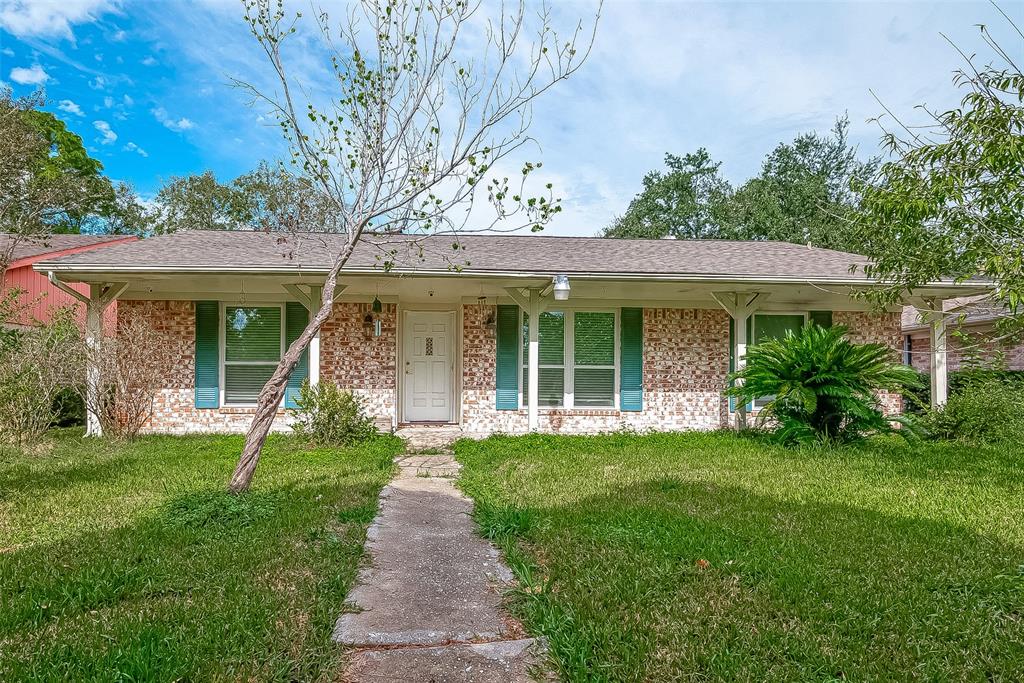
(97, 269)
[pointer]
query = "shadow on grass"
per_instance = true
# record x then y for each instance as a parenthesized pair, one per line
(209, 585)
(671, 579)
(22, 480)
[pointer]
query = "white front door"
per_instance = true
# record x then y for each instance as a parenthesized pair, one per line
(429, 365)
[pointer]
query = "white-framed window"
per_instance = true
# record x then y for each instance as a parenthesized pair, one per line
(251, 346)
(578, 359)
(774, 326)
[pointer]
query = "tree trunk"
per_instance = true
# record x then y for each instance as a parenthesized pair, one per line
(273, 390)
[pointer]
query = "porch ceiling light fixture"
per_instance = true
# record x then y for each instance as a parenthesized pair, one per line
(561, 287)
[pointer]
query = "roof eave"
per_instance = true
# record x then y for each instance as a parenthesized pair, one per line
(100, 269)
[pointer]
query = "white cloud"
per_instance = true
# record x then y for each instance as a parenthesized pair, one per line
(177, 125)
(128, 101)
(108, 101)
(132, 147)
(119, 36)
(70, 107)
(47, 18)
(109, 136)
(34, 75)
(7, 51)
(149, 61)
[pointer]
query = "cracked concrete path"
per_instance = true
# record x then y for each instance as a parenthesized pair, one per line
(428, 606)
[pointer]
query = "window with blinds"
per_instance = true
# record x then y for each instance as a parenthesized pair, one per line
(253, 344)
(551, 374)
(576, 359)
(594, 359)
(774, 326)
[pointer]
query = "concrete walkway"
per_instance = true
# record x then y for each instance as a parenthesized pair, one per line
(428, 606)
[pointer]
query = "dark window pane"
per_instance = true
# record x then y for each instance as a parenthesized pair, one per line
(594, 387)
(243, 383)
(550, 389)
(252, 333)
(594, 338)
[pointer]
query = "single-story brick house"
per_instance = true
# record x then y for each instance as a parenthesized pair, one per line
(438, 329)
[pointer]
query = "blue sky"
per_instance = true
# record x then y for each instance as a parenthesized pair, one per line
(146, 84)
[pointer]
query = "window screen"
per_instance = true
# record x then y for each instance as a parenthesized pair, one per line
(594, 359)
(252, 349)
(551, 374)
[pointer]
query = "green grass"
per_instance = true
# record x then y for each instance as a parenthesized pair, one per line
(129, 562)
(714, 557)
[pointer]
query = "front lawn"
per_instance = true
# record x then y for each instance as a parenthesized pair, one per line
(712, 557)
(128, 562)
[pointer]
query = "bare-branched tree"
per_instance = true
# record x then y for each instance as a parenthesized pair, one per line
(427, 97)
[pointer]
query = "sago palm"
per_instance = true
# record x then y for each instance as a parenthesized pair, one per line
(820, 386)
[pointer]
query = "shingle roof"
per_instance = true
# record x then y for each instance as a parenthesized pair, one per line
(476, 253)
(27, 248)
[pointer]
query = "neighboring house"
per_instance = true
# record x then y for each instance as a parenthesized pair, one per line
(970, 336)
(39, 297)
(637, 333)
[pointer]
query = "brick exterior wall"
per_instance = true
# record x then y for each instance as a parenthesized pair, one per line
(349, 355)
(174, 408)
(686, 359)
(355, 360)
(876, 328)
(981, 348)
(685, 363)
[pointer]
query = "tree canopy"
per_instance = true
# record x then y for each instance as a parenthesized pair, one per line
(267, 198)
(48, 181)
(950, 203)
(802, 194)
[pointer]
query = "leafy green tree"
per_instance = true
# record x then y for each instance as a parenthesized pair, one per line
(803, 193)
(267, 198)
(951, 201)
(199, 202)
(822, 387)
(684, 202)
(48, 182)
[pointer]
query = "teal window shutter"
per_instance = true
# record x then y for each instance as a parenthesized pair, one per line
(823, 318)
(296, 319)
(507, 374)
(631, 362)
(207, 360)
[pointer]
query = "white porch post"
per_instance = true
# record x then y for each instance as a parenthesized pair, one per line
(740, 354)
(533, 363)
(315, 295)
(100, 297)
(740, 306)
(937, 358)
(93, 339)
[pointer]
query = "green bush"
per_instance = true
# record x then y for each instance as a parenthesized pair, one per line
(822, 387)
(328, 416)
(917, 398)
(985, 408)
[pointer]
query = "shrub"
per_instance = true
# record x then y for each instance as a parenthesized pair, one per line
(131, 373)
(821, 386)
(328, 416)
(37, 365)
(986, 408)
